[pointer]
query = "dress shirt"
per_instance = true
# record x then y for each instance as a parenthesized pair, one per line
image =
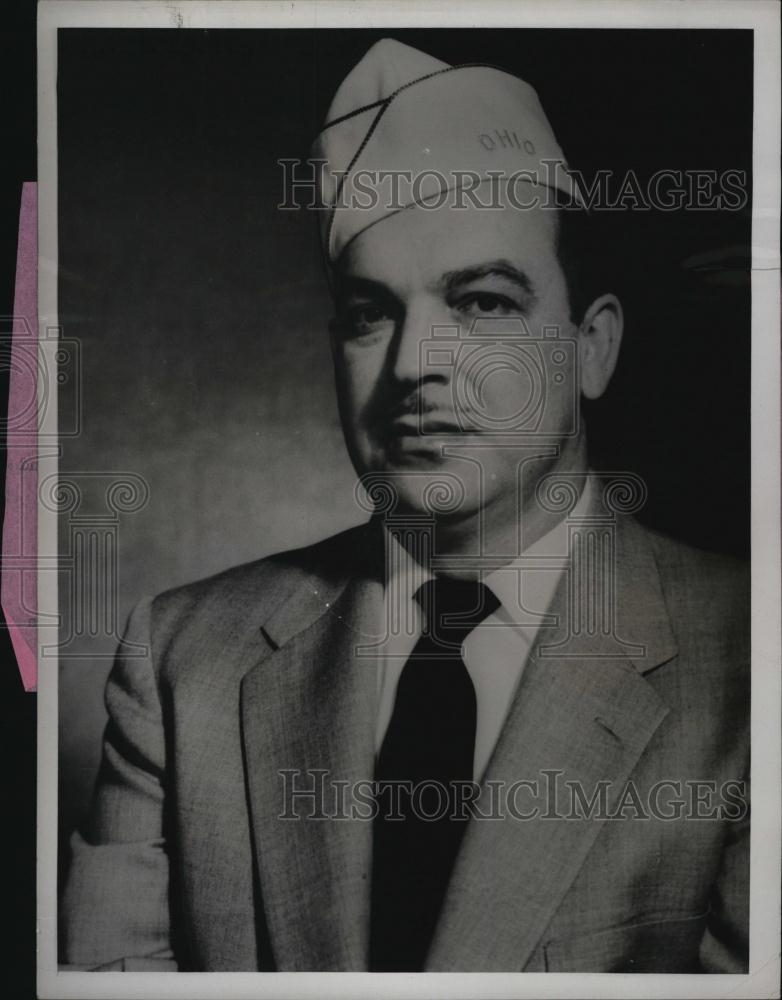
(496, 651)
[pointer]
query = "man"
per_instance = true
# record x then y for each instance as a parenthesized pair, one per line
(499, 727)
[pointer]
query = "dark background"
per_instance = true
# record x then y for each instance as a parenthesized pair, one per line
(17, 723)
(201, 310)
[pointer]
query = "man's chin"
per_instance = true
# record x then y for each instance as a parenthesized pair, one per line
(421, 484)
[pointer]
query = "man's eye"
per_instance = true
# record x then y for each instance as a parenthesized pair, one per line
(366, 319)
(487, 304)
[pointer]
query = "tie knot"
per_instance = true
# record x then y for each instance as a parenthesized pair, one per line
(452, 608)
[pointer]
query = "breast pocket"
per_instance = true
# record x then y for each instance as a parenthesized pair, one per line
(655, 945)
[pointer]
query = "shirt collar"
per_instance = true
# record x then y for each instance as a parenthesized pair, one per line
(542, 564)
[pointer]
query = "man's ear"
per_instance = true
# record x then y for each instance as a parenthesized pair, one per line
(600, 336)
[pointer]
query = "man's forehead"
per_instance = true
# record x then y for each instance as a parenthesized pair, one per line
(441, 246)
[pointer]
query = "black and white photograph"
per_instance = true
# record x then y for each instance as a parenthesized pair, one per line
(411, 492)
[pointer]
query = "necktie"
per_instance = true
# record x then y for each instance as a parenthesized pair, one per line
(428, 749)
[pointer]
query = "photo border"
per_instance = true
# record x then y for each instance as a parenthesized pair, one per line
(763, 16)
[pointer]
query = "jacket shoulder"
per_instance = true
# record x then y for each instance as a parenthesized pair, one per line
(706, 575)
(707, 596)
(225, 601)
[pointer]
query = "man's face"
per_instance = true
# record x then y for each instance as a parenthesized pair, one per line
(422, 274)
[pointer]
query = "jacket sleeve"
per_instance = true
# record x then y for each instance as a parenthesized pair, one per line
(725, 944)
(115, 906)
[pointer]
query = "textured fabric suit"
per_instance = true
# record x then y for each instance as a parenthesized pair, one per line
(185, 863)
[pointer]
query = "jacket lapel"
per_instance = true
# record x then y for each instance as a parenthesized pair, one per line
(308, 722)
(583, 709)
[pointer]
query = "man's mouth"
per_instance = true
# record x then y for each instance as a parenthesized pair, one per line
(415, 426)
(419, 436)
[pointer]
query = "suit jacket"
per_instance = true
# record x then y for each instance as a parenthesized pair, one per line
(184, 862)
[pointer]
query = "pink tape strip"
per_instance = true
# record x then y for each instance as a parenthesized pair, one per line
(20, 554)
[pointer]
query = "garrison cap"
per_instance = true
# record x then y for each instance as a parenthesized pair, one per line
(400, 110)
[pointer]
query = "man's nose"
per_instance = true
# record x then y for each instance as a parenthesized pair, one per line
(413, 334)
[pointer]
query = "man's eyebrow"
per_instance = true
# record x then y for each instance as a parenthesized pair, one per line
(346, 285)
(492, 268)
